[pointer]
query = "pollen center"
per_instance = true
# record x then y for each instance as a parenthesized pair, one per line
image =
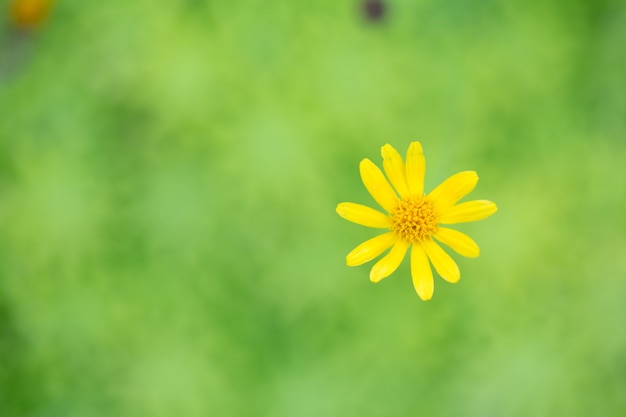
(414, 219)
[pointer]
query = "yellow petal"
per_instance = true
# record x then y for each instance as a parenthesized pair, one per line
(443, 263)
(391, 261)
(370, 249)
(421, 273)
(415, 168)
(460, 242)
(468, 212)
(377, 185)
(394, 168)
(453, 189)
(363, 215)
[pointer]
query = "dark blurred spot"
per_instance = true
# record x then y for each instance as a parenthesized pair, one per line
(18, 383)
(374, 10)
(15, 47)
(29, 14)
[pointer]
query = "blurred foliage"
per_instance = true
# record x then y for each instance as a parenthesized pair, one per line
(168, 178)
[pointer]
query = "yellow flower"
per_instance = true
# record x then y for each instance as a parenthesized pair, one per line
(414, 219)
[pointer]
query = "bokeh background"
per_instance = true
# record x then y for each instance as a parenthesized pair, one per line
(169, 173)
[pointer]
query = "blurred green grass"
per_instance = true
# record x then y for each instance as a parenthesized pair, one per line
(168, 240)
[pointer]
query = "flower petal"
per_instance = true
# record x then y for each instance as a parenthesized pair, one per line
(453, 189)
(395, 170)
(460, 242)
(421, 273)
(415, 168)
(443, 263)
(468, 212)
(377, 185)
(363, 215)
(370, 249)
(391, 261)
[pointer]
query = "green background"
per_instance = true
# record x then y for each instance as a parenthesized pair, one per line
(169, 173)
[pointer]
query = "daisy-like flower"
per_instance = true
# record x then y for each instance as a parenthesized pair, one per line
(414, 219)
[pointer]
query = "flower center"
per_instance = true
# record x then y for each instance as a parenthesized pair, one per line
(414, 219)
